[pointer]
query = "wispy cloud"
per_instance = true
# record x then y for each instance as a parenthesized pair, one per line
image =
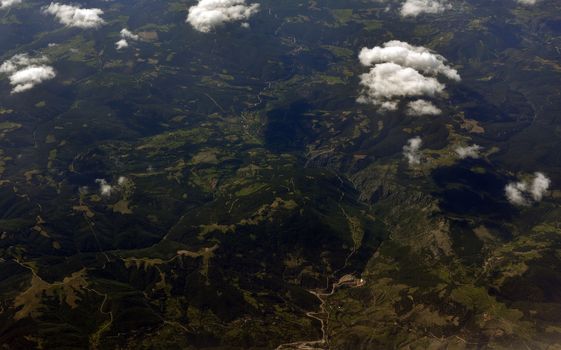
(468, 151)
(422, 107)
(106, 189)
(9, 3)
(411, 150)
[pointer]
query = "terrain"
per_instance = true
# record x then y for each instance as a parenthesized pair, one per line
(254, 204)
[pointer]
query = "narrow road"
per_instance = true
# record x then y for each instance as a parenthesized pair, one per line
(348, 281)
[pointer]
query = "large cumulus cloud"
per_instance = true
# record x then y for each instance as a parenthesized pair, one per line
(400, 70)
(25, 72)
(210, 14)
(388, 81)
(73, 16)
(404, 54)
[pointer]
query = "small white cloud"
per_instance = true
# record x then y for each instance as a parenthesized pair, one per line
(126, 35)
(122, 44)
(388, 105)
(4, 4)
(210, 14)
(411, 150)
(539, 187)
(73, 16)
(515, 193)
(122, 180)
(527, 2)
(413, 8)
(523, 194)
(422, 107)
(104, 187)
(26, 72)
(468, 151)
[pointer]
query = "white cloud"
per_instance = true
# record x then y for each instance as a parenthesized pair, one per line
(411, 150)
(523, 193)
(527, 2)
(8, 3)
(468, 151)
(413, 8)
(104, 187)
(26, 72)
(389, 81)
(28, 77)
(515, 193)
(210, 14)
(122, 44)
(73, 16)
(400, 70)
(122, 180)
(20, 60)
(539, 187)
(386, 105)
(125, 34)
(404, 54)
(422, 107)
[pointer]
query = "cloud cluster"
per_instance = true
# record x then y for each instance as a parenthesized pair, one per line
(125, 36)
(413, 8)
(411, 150)
(25, 72)
(404, 54)
(524, 193)
(8, 3)
(73, 16)
(400, 70)
(106, 189)
(468, 151)
(210, 14)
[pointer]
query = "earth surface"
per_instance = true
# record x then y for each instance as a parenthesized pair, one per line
(225, 189)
